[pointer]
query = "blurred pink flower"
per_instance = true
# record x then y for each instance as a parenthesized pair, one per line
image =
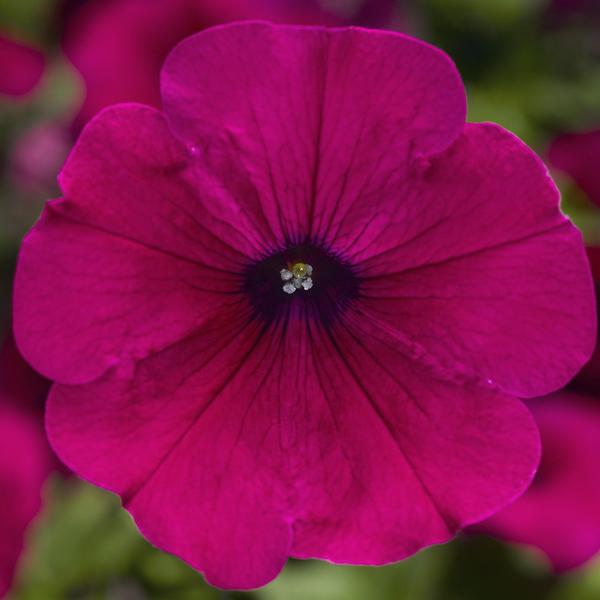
(25, 456)
(38, 155)
(23, 469)
(118, 46)
(21, 67)
(366, 13)
(355, 411)
(583, 8)
(19, 383)
(26, 390)
(577, 154)
(560, 513)
(588, 379)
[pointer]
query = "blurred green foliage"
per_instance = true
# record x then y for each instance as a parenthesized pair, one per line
(522, 69)
(30, 19)
(85, 547)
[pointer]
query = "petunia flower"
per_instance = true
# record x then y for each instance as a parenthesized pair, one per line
(360, 419)
(577, 155)
(560, 512)
(21, 67)
(118, 46)
(23, 470)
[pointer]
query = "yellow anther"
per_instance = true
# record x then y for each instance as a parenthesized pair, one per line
(300, 270)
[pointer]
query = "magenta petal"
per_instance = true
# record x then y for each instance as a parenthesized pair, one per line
(197, 460)
(256, 444)
(418, 457)
(487, 278)
(111, 300)
(577, 155)
(320, 119)
(21, 67)
(24, 466)
(559, 513)
(129, 176)
(107, 287)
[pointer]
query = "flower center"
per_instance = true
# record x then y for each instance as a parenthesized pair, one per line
(300, 280)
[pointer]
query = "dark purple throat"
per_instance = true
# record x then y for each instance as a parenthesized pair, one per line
(333, 284)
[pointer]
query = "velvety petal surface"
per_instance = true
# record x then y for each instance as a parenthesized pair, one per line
(577, 155)
(258, 444)
(419, 457)
(123, 264)
(486, 277)
(318, 120)
(129, 176)
(23, 468)
(21, 67)
(203, 474)
(560, 513)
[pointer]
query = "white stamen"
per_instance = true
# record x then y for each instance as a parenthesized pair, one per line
(299, 277)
